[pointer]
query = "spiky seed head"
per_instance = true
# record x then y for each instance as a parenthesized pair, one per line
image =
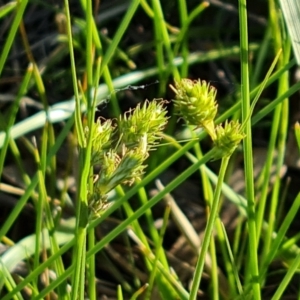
(228, 137)
(195, 101)
(149, 118)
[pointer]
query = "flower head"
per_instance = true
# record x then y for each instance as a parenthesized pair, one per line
(124, 168)
(148, 119)
(121, 150)
(102, 139)
(228, 138)
(195, 102)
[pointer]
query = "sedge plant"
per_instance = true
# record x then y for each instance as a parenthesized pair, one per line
(195, 101)
(112, 153)
(120, 147)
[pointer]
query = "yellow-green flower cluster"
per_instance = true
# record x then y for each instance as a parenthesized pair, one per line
(149, 119)
(102, 139)
(195, 102)
(120, 150)
(228, 137)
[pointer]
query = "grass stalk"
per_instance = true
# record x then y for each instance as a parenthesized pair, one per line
(248, 155)
(20, 9)
(208, 230)
(162, 34)
(120, 32)
(281, 116)
(13, 113)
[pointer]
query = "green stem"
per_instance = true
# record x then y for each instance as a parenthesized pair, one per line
(79, 255)
(246, 110)
(91, 266)
(79, 272)
(120, 32)
(209, 229)
(20, 8)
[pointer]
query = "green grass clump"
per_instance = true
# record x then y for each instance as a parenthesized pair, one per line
(81, 177)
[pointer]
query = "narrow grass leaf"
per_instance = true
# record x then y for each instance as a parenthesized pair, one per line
(291, 14)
